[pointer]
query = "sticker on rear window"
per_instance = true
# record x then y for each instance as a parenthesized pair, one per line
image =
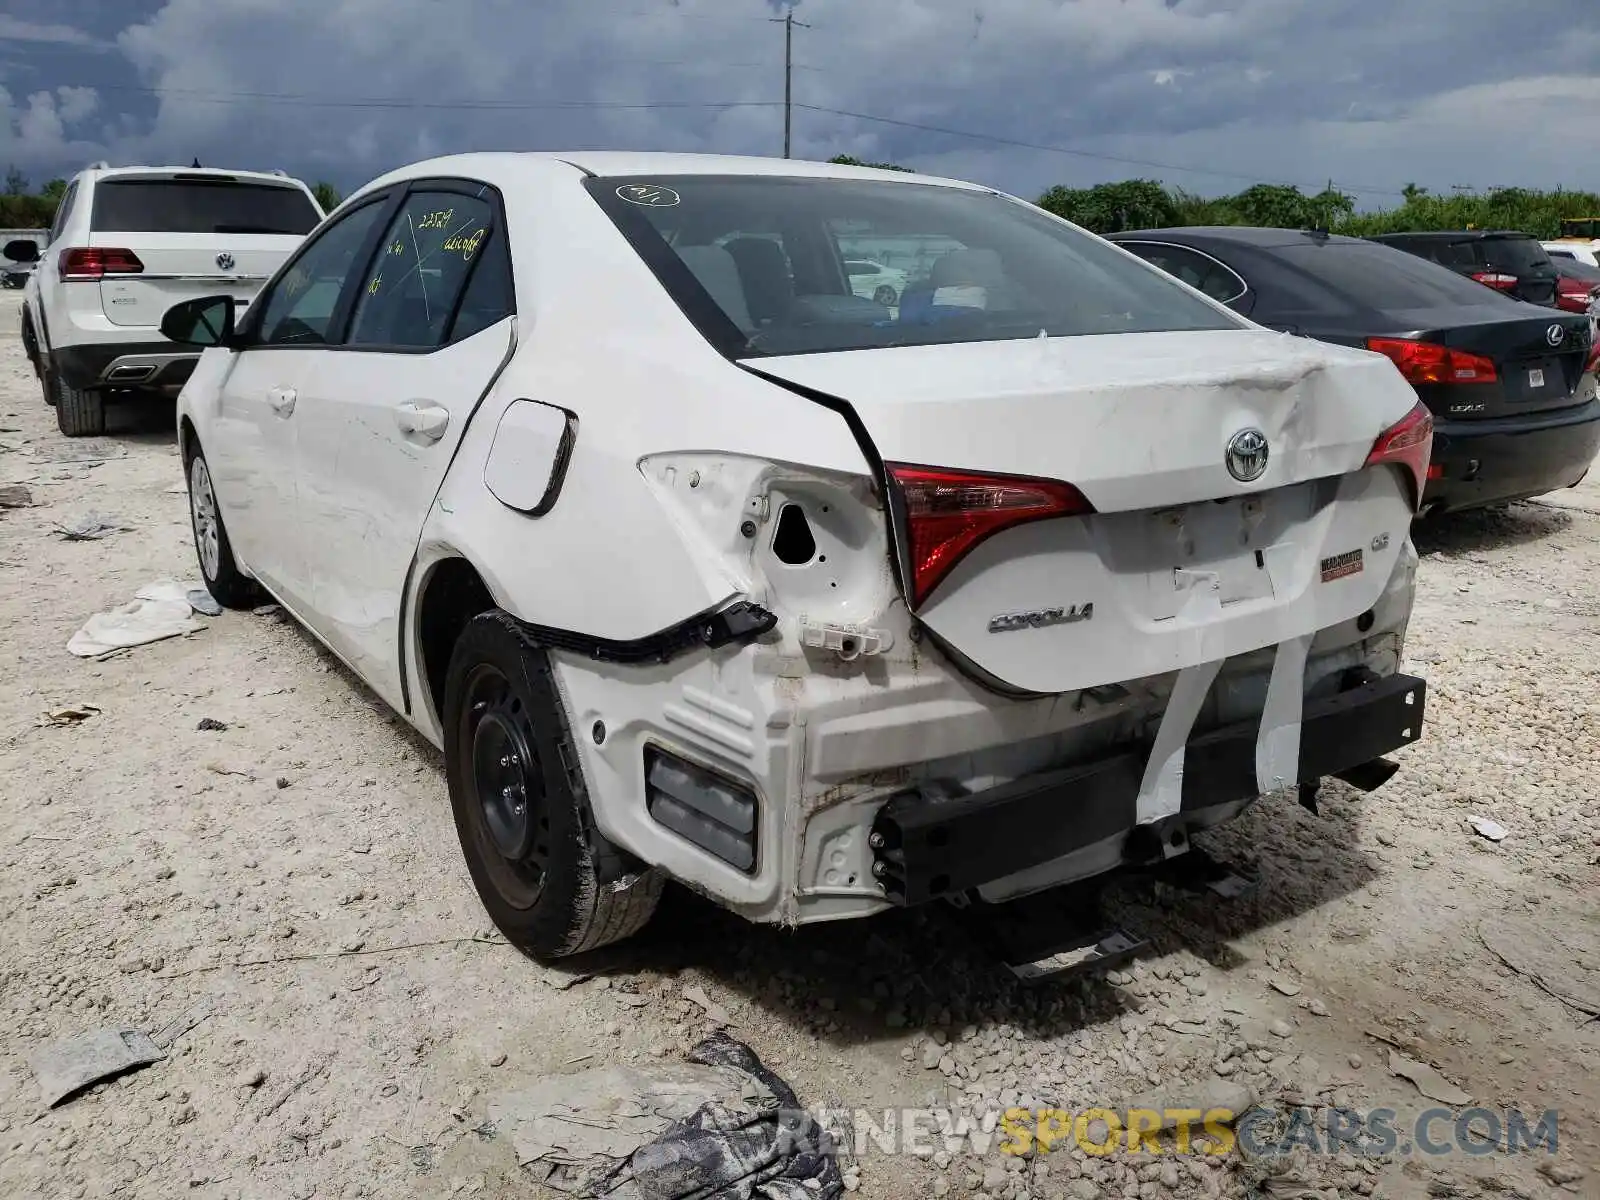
(1341, 565)
(649, 195)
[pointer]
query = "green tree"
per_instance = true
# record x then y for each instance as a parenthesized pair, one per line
(1114, 207)
(16, 182)
(54, 190)
(845, 160)
(327, 195)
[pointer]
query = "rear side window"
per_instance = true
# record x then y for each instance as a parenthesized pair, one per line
(410, 293)
(1382, 277)
(200, 206)
(977, 266)
(1194, 268)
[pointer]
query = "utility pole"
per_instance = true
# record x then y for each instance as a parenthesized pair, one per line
(788, 22)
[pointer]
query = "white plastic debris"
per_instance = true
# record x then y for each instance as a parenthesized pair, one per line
(136, 623)
(1492, 830)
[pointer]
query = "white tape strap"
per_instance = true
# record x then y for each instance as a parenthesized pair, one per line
(1161, 790)
(1278, 744)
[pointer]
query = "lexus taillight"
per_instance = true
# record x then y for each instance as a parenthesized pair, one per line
(1407, 443)
(1429, 362)
(96, 262)
(947, 513)
(1498, 280)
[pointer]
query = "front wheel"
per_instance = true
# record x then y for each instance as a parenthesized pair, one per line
(521, 807)
(229, 586)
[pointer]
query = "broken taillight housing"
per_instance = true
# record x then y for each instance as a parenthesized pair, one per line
(948, 513)
(1429, 362)
(1408, 443)
(96, 262)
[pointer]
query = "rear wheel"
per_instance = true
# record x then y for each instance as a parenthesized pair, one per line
(79, 412)
(521, 807)
(223, 579)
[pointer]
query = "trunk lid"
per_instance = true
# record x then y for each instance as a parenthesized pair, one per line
(1181, 563)
(196, 234)
(1535, 370)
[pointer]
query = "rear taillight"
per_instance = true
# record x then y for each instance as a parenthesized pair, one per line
(1594, 359)
(947, 513)
(1572, 295)
(96, 262)
(1429, 362)
(1407, 443)
(1498, 280)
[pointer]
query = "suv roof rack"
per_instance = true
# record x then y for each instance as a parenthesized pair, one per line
(101, 165)
(279, 172)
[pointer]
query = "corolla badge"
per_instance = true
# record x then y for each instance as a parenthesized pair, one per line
(225, 261)
(1039, 618)
(1555, 335)
(1246, 455)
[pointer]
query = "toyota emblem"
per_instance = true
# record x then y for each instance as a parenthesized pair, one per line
(1246, 455)
(1555, 334)
(225, 261)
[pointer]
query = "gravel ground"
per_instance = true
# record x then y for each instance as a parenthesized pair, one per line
(298, 869)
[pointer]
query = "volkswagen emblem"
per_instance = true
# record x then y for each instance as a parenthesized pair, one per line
(1246, 455)
(225, 262)
(1555, 334)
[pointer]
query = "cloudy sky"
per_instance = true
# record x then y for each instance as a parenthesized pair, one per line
(1206, 94)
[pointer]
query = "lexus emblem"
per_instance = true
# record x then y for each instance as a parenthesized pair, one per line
(1246, 455)
(225, 262)
(1555, 334)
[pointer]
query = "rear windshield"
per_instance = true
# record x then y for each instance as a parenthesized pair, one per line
(1516, 255)
(1384, 277)
(768, 266)
(200, 206)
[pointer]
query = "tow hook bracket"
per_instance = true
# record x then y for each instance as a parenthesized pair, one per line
(1369, 776)
(1051, 933)
(849, 642)
(1198, 872)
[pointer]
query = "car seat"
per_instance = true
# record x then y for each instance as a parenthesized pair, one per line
(764, 271)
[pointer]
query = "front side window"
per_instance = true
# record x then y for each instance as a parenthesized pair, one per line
(299, 308)
(409, 294)
(978, 266)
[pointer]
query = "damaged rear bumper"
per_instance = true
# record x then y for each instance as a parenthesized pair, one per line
(932, 841)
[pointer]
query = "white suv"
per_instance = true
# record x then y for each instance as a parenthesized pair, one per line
(126, 245)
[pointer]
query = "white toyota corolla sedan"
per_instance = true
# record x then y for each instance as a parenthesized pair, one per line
(697, 565)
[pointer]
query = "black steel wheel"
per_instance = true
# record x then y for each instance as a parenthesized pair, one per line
(548, 880)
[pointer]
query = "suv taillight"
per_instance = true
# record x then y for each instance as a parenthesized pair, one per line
(1407, 443)
(1429, 362)
(1499, 280)
(1573, 295)
(96, 262)
(947, 513)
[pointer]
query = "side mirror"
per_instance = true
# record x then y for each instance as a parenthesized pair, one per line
(204, 322)
(23, 250)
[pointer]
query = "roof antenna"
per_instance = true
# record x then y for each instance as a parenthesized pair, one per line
(195, 164)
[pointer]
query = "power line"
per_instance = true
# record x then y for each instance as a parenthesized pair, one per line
(1116, 158)
(304, 100)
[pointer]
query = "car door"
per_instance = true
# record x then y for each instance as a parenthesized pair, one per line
(379, 421)
(250, 440)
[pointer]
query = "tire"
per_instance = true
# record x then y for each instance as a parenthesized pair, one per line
(79, 413)
(886, 295)
(521, 806)
(228, 586)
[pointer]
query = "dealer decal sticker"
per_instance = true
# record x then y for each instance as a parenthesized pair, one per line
(1341, 565)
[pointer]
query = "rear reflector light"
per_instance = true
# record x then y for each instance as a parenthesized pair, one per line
(96, 262)
(1407, 443)
(1429, 362)
(702, 807)
(947, 513)
(1496, 279)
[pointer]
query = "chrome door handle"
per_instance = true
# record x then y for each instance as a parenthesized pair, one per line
(282, 400)
(425, 420)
